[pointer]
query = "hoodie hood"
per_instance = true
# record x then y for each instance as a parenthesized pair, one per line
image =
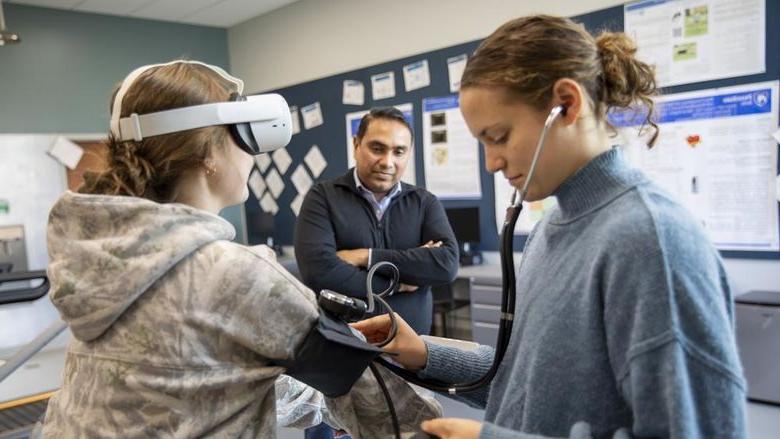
(107, 251)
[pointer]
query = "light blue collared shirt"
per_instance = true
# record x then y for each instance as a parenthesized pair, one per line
(379, 207)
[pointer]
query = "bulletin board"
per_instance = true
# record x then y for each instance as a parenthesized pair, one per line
(330, 136)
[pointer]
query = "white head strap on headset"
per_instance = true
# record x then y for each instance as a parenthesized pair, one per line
(116, 110)
(257, 123)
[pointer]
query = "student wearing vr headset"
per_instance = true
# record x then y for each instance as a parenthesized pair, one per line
(624, 320)
(177, 331)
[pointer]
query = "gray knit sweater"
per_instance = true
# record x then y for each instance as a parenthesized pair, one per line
(624, 322)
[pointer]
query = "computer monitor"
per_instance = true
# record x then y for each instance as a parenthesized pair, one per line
(465, 224)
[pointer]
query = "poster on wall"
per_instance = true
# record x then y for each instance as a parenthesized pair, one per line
(312, 116)
(715, 153)
(353, 122)
(455, 67)
(450, 152)
(416, 75)
(353, 92)
(383, 86)
(698, 40)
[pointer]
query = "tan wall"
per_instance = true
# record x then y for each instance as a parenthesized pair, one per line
(312, 39)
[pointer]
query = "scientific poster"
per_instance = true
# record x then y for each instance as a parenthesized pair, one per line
(451, 153)
(699, 40)
(716, 154)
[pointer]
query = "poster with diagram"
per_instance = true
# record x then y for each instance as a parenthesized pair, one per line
(698, 40)
(451, 153)
(715, 153)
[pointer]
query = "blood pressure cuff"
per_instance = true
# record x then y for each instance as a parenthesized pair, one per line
(331, 358)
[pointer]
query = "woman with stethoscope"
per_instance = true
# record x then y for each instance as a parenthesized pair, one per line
(624, 318)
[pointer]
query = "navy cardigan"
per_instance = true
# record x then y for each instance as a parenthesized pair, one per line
(334, 216)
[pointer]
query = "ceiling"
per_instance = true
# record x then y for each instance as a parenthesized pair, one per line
(219, 13)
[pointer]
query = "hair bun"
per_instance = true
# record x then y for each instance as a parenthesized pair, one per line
(626, 80)
(625, 77)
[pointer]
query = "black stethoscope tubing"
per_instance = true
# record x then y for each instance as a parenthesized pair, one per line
(508, 286)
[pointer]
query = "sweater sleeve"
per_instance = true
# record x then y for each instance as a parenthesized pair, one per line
(258, 304)
(670, 330)
(315, 252)
(677, 390)
(453, 365)
(426, 266)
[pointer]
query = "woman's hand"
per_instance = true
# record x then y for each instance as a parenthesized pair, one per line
(453, 428)
(409, 347)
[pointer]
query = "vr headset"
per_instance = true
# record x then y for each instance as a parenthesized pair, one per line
(257, 123)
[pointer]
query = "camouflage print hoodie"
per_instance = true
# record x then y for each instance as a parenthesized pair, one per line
(175, 328)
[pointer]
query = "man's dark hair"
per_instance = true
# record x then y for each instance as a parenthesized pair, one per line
(388, 113)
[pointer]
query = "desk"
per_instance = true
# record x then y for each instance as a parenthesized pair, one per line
(489, 274)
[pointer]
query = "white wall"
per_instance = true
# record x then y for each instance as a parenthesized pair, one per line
(749, 274)
(311, 39)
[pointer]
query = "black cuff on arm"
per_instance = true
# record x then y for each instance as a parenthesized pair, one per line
(331, 358)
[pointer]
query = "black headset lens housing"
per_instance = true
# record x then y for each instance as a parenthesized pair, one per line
(242, 133)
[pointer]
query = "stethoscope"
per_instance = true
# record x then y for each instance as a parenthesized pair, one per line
(508, 284)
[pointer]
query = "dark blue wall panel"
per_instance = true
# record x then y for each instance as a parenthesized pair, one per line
(331, 136)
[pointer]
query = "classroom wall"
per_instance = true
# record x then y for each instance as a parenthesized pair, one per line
(296, 43)
(312, 39)
(59, 79)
